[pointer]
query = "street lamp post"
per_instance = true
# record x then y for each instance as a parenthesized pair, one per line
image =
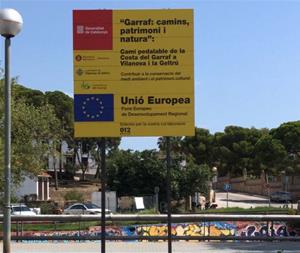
(10, 25)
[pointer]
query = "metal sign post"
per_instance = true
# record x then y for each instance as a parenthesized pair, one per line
(227, 199)
(103, 190)
(168, 150)
(227, 188)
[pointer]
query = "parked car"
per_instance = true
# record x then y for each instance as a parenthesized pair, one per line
(281, 196)
(21, 209)
(84, 208)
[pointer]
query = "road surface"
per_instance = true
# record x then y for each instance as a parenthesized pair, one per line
(158, 247)
(244, 200)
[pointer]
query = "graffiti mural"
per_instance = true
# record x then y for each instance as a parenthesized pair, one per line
(109, 231)
(277, 229)
(189, 229)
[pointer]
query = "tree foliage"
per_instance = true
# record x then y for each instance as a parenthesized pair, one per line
(238, 149)
(63, 108)
(270, 153)
(235, 149)
(194, 178)
(135, 173)
(289, 135)
(33, 129)
(42, 120)
(199, 147)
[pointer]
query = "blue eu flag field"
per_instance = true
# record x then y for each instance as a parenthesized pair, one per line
(94, 107)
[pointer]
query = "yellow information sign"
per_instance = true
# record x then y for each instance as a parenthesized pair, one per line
(133, 73)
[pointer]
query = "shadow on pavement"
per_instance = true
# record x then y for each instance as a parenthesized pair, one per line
(257, 246)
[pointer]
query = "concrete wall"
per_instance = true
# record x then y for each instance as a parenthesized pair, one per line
(260, 186)
(294, 186)
(219, 228)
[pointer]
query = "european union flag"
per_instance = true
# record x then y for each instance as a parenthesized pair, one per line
(94, 107)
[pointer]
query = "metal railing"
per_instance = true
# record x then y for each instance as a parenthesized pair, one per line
(176, 218)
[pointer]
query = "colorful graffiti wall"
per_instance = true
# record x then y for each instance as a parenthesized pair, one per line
(221, 229)
(189, 229)
(263, 229)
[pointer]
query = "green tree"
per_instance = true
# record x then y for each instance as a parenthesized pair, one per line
(289, 135)
(135, 173)
(63, 108)
(29, 96)
(270, 153)
(32, 129)
(234, 150)
(194, 178)
(199, 147)
(175, 144)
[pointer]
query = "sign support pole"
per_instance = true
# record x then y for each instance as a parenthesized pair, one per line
(103, 190)
(227, 199)
(168, 152)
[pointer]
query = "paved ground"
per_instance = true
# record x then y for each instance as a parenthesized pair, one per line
(158, 247)
(244, 200)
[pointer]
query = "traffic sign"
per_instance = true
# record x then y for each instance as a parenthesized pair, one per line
(227, 187)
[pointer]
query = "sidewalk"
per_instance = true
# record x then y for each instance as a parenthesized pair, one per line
(158, 247)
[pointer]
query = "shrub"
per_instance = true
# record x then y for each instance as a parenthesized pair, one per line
(74, 196)
(47, 207)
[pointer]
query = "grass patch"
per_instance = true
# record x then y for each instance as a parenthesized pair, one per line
(58, 226)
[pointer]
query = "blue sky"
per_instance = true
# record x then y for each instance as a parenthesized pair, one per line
(247, 57)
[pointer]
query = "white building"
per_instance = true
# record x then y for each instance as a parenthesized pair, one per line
(59, 161)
